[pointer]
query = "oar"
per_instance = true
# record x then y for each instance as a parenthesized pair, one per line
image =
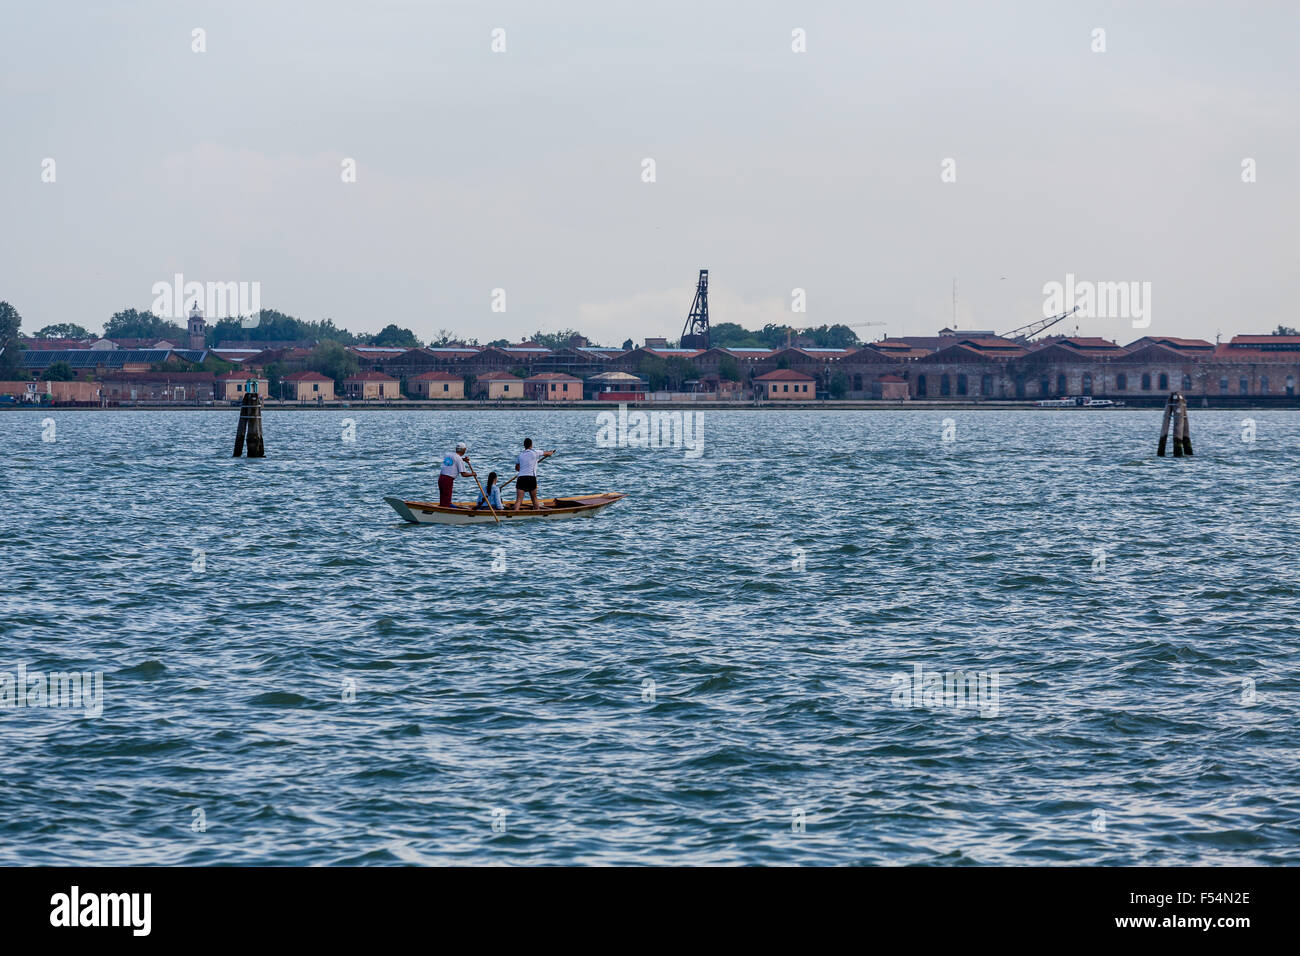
(484, 494)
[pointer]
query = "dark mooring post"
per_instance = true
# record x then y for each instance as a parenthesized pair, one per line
(250, 423)
(1175, 417)
(1160, 449)
(1177, 424)
(1186, 432)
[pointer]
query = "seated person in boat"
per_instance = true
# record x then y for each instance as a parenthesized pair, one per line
(526, 465)
(491, 495)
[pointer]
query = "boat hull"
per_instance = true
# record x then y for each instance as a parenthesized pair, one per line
(572, 506)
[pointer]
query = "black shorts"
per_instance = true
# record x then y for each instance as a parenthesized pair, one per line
(527, 483)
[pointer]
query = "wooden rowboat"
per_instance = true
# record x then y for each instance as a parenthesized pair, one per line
(464, 512)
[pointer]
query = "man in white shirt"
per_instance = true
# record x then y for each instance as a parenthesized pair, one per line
(453, 467)
(526, 465)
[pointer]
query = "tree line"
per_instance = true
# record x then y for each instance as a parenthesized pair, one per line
(329, 357)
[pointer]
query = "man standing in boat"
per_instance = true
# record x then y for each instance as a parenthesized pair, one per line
(453, 467)
(526, 465)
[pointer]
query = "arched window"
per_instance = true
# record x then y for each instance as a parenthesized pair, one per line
(1020, 386)
(1062, 388)
(1263, 385)
(1121, 382)
(1164, 381)
(945, 384)
(1146, 381)
(1044, 388)
(1087, 384)
(857, 381)
(1223, 386)
(986, 385)
(920, 386)
(961, 384)
(1187, 383)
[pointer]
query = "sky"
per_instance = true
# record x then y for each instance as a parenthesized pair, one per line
(822, 170)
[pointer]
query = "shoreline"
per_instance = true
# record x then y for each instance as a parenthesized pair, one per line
(1142, 404)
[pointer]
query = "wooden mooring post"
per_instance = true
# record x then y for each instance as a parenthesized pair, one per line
(1176, 420)
(250, 423)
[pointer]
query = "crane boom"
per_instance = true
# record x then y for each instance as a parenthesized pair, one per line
(1027, 332)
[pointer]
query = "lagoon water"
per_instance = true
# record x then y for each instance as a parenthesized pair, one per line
(716, 670)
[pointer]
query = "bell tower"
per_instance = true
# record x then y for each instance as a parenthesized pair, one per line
(198, 328)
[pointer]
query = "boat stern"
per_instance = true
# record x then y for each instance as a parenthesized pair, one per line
(400, 507)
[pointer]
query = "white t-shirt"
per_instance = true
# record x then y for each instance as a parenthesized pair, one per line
(527, 461)
(452, 465)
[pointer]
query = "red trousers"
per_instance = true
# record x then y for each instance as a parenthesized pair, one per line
(444, 490)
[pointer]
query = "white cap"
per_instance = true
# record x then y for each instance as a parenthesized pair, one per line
(461, 446)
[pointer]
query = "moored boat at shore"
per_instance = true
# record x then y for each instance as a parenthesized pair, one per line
(1082, 401)
(464, 512)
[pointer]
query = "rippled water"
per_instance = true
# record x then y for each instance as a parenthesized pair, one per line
(706, 672)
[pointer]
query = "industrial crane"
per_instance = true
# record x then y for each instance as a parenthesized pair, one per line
(1027, 332)
(863, 325)
(695, 335)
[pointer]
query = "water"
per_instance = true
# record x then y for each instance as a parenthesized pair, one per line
(1146, 700)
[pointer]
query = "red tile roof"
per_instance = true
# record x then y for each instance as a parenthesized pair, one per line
(784, 375)
(552, 377)
(1091, 343)
(497, 377)
(307, 377)
(901, 348)
(437, 377)
(1265, 340)
(370, 377)
(1237, 353)
(992, 344)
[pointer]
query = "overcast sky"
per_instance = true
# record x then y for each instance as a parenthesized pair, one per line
(774, 169)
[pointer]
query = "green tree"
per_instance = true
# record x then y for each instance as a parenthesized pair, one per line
(680, 371)
(627, 345)
(729, 369)
(655, 371)
(59, 372)
(832, 336)
(839, 383)
(729, 335)
(10, 323)
(553, 340)
(273, 326)
(392, 335)
(132, 324)
(332, 359)
(497, 343)
(1286, 330)
(275, 373)
(64, 330)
